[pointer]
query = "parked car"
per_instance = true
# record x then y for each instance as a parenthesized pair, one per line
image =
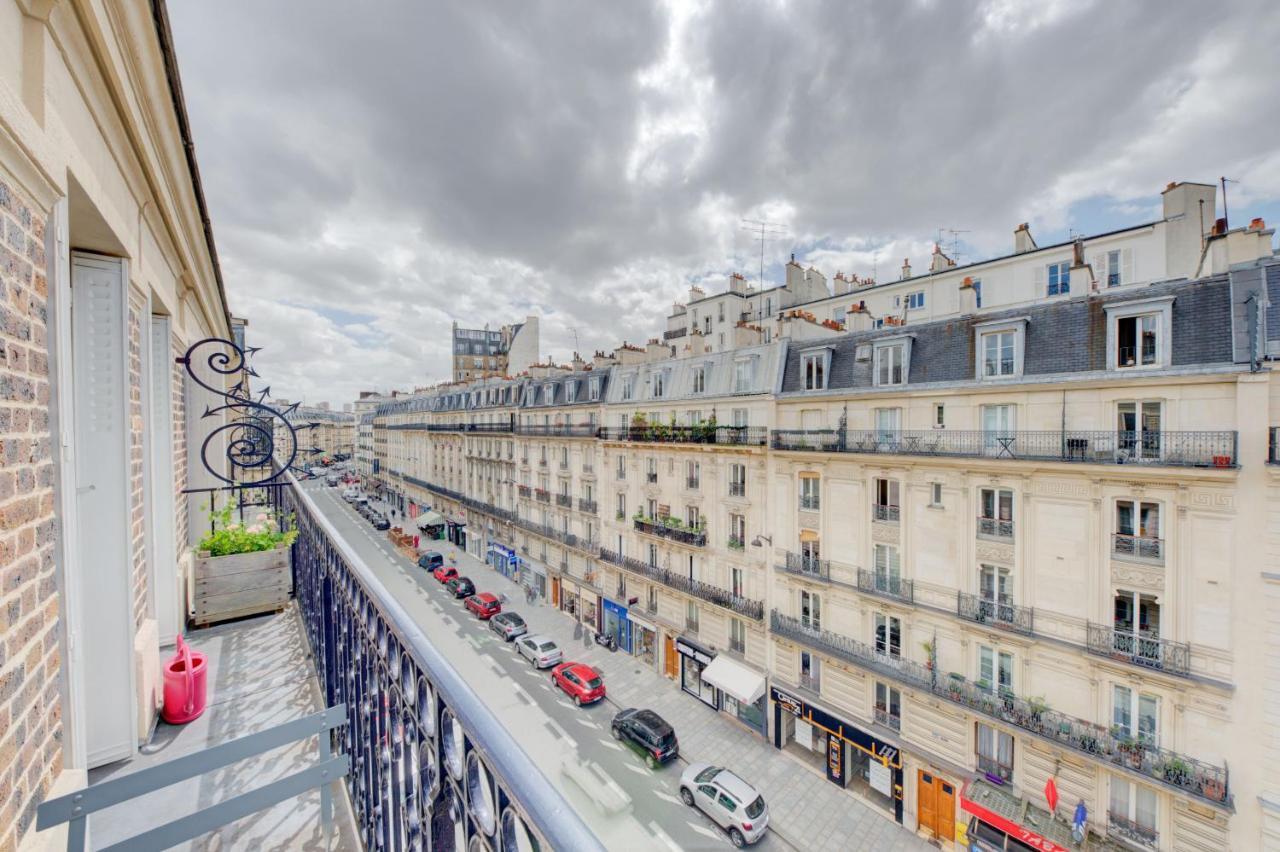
(579, 681)
(732, 803)
(350, 494)
(380, 522)
(539, 650)
(508, 625)
(649, 732)
(484, 605)
(461, 587)
(431, 560)
(444, 573)
(331, 481)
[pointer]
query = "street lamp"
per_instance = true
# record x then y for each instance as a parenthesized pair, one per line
(755, 542)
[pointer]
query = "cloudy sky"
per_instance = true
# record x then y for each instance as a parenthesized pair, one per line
(376, 171)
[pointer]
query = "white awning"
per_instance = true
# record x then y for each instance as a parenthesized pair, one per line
(429, 518)
(734, 678)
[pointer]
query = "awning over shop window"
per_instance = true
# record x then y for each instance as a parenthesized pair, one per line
(429, 519)
(734, 678)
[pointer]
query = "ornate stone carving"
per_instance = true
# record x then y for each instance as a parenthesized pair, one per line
(1060, 488)
(994, 551)
(1134, 575)
(884, 533)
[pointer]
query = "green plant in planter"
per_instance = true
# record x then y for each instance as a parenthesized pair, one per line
(232, 537)
(1038, 705)
(1176, 770)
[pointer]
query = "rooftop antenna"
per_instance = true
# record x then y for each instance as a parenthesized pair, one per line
(1226, 221)
(955, 242)
(766, 231)
(576, 349)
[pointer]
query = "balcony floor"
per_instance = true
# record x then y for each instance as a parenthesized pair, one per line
(260, 676)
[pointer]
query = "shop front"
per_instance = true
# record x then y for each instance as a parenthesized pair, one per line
(850, 756)
(694, 659)
(644, 639)
(503, 560)
(616, 624)
(430, 526)
(456, 530)
(741, 690)
(579, 602)
(999, 820)
(533, 576)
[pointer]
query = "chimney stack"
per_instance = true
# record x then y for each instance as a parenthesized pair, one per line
(1022, 239)
(906, 269)
(939, 262)
(968, 296)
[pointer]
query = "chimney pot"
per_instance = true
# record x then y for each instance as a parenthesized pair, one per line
(1257, 224)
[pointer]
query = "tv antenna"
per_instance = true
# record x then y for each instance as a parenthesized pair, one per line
(955, 242)
(765, 231)
(1226, 221)
(576, 349)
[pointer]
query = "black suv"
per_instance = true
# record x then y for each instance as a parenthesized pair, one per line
(649, 732)
(461, 587)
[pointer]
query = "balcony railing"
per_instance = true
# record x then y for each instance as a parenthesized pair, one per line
(588, 506)
(564, 500)
(1181, 772)
(995, 528)
(425, 748)
(693, 538)
(692, 483)
(1175, 449)
(524, 490)
(557, 430)
(1141, 649)
(657, 433)
(737, 489)
(673, 333)
(1008, 616)
(994, 768)
(887, 718)
(809, 503)
(1146, 548)
(542, 495)
(886, 585)
(885, 512)
(807, 566)
(736, 542)
(1123, 828)
(705, 591)
(486, 428)
(651, 477)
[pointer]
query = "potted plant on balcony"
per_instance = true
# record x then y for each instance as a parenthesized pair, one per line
(241, 568)
(955, 685)
(1175, 770)
(1214, 790)
(1037, 705)
(1222, 461)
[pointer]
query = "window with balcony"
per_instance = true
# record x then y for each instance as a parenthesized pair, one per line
(999, 423)
(1137, 341)
(995, 518)
(737, 635)
(1135, 714)
(1136, 627)
(994, 752)
(888, 635)
(995, 593)
(693, 517)
(813, 366)
(1138, 428)
(888, 706)
(888, 424)
(810, 671)
(1137, 533)
(995, 670)
(737, 480)
(810, 609)
(621, 507)
(628, 384)
(810, 554)
(699, 379)
(887, 565)
(1132, 814)
(737, 531)
(885, 506)
(891, 363)
(810, 493)
(999, 353)
(1057, 278)
(739, 418)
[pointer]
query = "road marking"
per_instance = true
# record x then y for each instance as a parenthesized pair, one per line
(587, 722)
(667, 797)
(551, 723)
(636, 769)
(610, 744)
(662, 835)
(703, 830)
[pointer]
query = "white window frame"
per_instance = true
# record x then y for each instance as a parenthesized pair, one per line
(594, 392)
(888, 344)
(815, 368)
(571, 391)
(699, 379)
(915, 301)
(1131, 704)
(1015, 325)
(628, 387)
(1162, 308)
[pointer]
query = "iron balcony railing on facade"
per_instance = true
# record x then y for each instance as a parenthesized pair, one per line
(564, 500)
(673, 333)
(1175, 770)
(429, 757)
(692, 483)
(809, 503)
(885, 512)
(693, 538)
(1173, 449)
(1121, 827)
(557, 430)
(542, 495)
(1142, 648)
(995, 528)
(807, 566)
(1019, 619)
(588, 506)
(658, 433)
(994, 768)
(524, 490)
(887, 718)
(705, 591)
(737, 489)
(651, 477)
(1146, 548)
(886, 585)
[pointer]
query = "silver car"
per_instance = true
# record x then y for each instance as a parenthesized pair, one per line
(732, 803)
(539, 650)
(508, 625)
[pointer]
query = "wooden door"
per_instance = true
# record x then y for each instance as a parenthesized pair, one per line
(555, 591)
(936, 804)
(946, 824)
(671, 660)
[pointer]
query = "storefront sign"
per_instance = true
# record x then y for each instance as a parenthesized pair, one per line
(835, 759)
(881, 778)
(787, 703)
(688, 650)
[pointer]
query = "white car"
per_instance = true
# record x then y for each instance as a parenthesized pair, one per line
(350, 494)
(732, 803)
(539, 650)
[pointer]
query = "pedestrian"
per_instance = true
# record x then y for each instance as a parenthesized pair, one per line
(577, 630)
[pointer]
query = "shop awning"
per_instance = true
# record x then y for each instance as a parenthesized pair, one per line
(734, 678)
(429, 518)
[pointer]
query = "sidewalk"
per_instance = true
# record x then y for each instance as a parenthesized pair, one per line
(806, 810)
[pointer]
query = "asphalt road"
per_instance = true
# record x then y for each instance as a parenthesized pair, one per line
(557, 735)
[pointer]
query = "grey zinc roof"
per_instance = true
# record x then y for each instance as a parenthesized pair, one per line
(1062, 337)
(533, 394)
(718, 375)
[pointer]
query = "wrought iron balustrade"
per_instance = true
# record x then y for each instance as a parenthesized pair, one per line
(885, 512)
(524, 490)
(1204, 448)
(737, 489)
(588, 506)
(1141, 648)
(542, 495)
(431, 764)
(1179, 771)
(692, 483)
(659, 433)
(1120, 826)
(1019, 619)
(705, 591)
(888, 585)
(673, 333)
(807, 566)
(651, 477)
(809, 503)
(564, 500)
(558, 430)
(1146, 548)
(887, 718)
(994, 768)
(995, 528)
(694, 538)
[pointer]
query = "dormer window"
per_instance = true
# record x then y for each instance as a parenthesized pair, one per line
(999, 349)
(699, 379)
(742, 375)
(1138, 334)
(594, 390)
(628, 383)
(915, 300)
(892, 362)
(659, 384)
(548, 394)
(814, 366)
(570, 391)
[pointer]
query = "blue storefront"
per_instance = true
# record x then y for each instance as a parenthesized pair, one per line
(617, 625)
(504, 560)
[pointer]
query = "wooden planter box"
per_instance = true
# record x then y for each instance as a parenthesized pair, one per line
(243, 584)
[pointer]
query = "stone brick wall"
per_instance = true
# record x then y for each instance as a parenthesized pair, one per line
(137, 486)
(30, 662)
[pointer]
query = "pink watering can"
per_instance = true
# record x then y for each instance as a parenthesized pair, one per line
(185, 685)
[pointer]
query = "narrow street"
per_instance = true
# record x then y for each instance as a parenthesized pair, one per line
(806, 811)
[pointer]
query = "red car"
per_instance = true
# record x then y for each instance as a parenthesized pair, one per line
(485, 605)
(444, 573)
(581, 682)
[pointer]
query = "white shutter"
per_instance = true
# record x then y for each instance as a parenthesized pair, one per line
(99, 384)
(1127, 275)
(164, 557)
